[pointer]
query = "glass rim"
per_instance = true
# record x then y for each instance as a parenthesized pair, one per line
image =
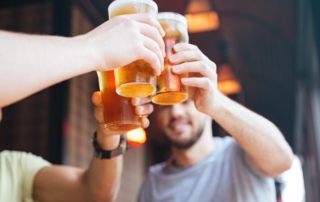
(172, 16)
(119, 2)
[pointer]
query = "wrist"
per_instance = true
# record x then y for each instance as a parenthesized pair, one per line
(86, 54)
(108, 142)
(218, 105)
(101, 153)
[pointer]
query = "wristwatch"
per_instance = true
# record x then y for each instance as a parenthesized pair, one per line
(108, 154)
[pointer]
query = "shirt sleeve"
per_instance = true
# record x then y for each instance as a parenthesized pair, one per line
(239, 155)
(22, 168)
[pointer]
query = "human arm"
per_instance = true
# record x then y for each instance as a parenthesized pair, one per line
(100, 182)
(266, 149)
(29, 63)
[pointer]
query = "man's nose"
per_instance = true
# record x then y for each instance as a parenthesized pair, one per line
(177, 110)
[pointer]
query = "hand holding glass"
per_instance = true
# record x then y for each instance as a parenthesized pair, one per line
(137, 78)
(169, 90)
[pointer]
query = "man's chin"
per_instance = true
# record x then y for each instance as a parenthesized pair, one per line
(183, 140)
(182, 145)
(178, 136)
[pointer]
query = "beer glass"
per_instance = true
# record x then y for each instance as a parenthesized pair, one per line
(169, 89)
(135, 79)
(118, 112)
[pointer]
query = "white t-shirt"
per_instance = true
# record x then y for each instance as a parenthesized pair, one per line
(17, 171)
(223, 176)
(293, 183)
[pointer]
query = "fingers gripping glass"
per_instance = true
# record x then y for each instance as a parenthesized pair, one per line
(118, 112)
(169, 88)
(137, 78)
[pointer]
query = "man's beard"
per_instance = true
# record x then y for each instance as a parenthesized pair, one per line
(188, 143)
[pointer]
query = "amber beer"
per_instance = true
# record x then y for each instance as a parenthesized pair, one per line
(118, 112)
(169, 88)
(135, 79)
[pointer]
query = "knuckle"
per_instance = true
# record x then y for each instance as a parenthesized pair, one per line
(140, 52)
(135, 34)
(207, 82)
(154, 57)
(185, 67)
(156, 34)
(149, 18)
(184, 46)
(128, 22)
(181, 55)
(214, 66)
(195, 47)
(215, 76)
(151, 56)
(198, 55)
(150, 108)
(203, 65)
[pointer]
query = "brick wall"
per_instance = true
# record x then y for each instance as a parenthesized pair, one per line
(25, 124)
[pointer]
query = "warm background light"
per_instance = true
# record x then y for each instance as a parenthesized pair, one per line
(229, 87)
(227, 83)
(198, 6)
(201, 16)
(201, 22)
(137, 137)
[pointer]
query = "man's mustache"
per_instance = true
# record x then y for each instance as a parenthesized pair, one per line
(180, 119)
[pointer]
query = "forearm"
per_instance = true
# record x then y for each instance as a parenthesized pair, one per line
(104, 175)
(29, 63)
(266, 149)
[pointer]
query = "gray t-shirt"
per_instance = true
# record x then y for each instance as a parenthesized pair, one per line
(223, 176)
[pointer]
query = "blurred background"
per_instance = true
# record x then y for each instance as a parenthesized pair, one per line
(267, 56)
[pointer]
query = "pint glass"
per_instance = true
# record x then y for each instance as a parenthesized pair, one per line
(135, 79)
(169, 89)
(118, 112)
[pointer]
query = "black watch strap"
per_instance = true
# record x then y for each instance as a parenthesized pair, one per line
(108, 154)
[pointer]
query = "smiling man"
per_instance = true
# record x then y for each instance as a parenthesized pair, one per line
(239, 168)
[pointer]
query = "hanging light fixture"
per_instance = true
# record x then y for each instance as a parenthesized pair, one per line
(201, 17)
